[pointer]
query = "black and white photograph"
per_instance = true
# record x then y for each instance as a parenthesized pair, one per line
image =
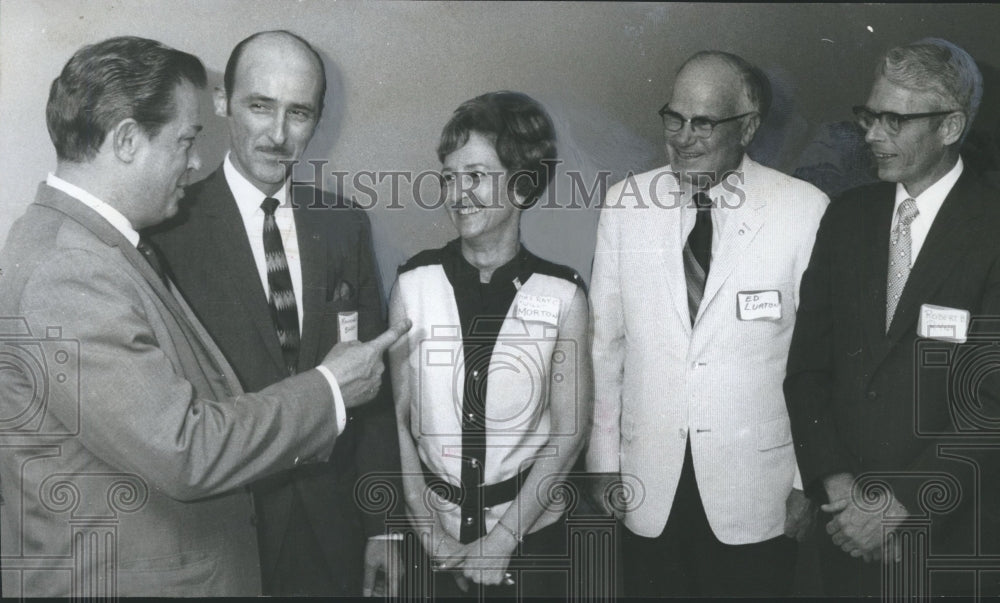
(499, 301)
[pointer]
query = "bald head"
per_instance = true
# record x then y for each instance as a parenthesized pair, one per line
(724, 92)
(277, 49)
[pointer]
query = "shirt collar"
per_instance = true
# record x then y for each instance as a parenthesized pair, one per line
(112, 215)
(249, 197)
(519, 268)
(935, 193)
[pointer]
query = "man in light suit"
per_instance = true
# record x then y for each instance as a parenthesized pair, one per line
(312, 531)
(131, 437)
(879, 383)
(688, 409)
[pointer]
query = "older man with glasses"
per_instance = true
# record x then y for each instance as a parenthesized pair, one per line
(694, 296)
(886, 369)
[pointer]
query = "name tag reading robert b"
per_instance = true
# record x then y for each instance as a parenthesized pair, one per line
(538, 308)
(758, 305)
(943, 324)
(347, 326)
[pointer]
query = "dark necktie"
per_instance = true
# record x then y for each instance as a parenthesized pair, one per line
(282, 296)
(153, 258)
(698, 253)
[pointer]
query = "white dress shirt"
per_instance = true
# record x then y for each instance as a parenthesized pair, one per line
(929, 204)
(248, 200)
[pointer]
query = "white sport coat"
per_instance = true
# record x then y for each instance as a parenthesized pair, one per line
(660, 381)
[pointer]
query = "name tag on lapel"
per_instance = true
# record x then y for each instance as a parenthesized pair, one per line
(758, 305)
(943, 324)
(538, 308)
(347, 326)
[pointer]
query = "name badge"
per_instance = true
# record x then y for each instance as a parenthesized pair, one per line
(538, 308)
(347, 326)
(758, 305)
(943, 324)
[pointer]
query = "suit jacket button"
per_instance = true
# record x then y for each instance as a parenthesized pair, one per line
(872, 395)
(296, 461)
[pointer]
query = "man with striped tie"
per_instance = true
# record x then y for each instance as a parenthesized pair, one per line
(694, 293)
(875, 385)
(279, 274)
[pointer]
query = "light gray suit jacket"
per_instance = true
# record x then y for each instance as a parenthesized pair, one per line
(125, 435)
(659, 381)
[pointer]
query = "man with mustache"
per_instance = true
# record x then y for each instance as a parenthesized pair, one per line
(888, 408)
(279, 274)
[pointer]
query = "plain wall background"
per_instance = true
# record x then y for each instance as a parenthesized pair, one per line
(397, 71)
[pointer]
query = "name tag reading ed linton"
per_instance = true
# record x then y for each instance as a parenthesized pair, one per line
(538, 308)
(758, 305)
(347, 326)
(943, 324)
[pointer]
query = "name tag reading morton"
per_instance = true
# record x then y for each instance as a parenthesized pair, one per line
(943, 324)
(538, 308)
(347, 326)
(758, 305)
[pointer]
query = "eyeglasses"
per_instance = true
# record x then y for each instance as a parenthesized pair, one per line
(892, 122)
(703, 127)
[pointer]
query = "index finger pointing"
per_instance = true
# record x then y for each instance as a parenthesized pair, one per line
(384, 341)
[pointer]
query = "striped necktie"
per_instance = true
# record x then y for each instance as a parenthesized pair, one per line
(282, 296)
(698, 253)
(900, 250)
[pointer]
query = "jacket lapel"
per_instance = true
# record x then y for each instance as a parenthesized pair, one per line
(944, 246)
(236, 265)
(874, 249)
(669, 229)
(741, 228)
(175, 304)
(314, 261)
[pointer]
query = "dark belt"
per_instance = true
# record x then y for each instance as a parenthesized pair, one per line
(490, 495)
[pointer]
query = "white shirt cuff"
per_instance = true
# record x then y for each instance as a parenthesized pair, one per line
(338, 398)
(393, 536)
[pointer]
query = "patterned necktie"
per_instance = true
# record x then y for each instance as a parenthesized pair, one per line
(153, 258)
(900, 248)
(282, 297)
(698, 253)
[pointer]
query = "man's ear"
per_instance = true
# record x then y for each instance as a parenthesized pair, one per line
(220, 101)
(750, 129)
(952, 127)
(126, 138)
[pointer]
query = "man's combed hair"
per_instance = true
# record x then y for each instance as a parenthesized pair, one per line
(940, 67)
(110, 81)
(522, 134)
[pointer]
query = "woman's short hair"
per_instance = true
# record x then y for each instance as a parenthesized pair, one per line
(522, 134)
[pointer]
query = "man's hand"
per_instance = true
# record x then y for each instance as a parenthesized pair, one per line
(383, 568)
(485, 560)
(799, 515)
(859, 532)
(358, 367)
(602, 487)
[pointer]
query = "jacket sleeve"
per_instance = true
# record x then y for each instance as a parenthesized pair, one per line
(138, 407)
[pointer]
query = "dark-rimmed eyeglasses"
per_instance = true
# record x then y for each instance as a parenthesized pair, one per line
(702, 126)
(892, 122)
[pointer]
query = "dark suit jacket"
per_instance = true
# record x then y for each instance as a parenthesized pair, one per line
(208, 255)
(863, 401)
(126, 444)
